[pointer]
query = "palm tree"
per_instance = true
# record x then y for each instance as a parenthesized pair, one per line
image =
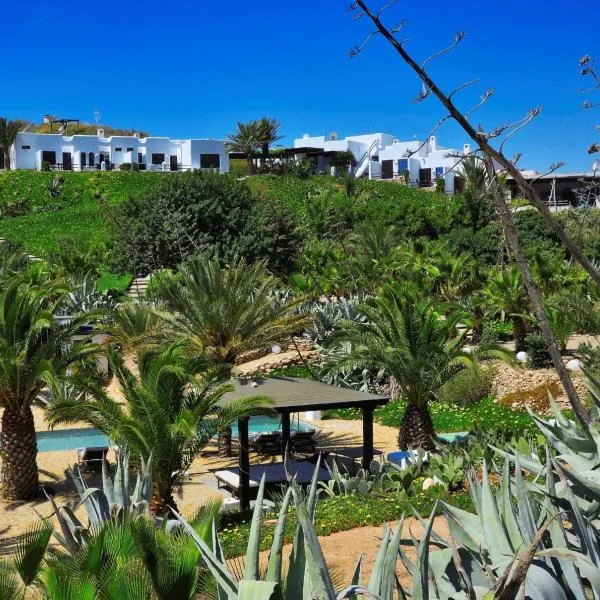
(475, 192)
(268, 129)
(225, 311)
(246, 140)
(8, 135)
(505, 294)
(119, 559)
(406, 338)
(168, 413)
(34, 347)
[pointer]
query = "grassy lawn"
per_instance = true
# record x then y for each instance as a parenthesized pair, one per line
(40, 233)
(38, 209)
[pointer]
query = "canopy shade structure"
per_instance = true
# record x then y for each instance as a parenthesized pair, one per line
(290, 395)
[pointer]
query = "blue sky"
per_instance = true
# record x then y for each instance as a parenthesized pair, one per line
(192, 69)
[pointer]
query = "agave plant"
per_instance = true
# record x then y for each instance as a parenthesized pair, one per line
(111, 503)
(518, 544)
(307, 575)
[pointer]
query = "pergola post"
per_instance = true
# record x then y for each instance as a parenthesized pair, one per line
(367, 423)
(244, 464)
(285, 431)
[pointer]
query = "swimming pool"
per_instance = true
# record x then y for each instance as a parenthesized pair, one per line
(261, 424)
(69, 439)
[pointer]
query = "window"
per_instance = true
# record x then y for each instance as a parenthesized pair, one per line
(402, 165)
(129, 149)
(158, 159)
(118, 149)
(82, 159)
(25, 147)
(140, 161)
(439, 171)
(91, 159)
(210, 161)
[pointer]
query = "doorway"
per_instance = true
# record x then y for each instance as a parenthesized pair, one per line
(425, 177)
(387, 169)
(173, 162)
(67, 164)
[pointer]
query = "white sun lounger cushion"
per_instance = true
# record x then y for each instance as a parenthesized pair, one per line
(232, 480)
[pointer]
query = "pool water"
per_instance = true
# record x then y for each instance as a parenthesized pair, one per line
(69, 439)
(263, 424)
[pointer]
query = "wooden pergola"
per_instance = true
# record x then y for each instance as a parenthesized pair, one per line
(293, 395)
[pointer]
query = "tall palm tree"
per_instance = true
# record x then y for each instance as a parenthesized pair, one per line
(406, 338)
(225, 311)
(34, 347)
(8, 135)
(268, 129)
(505, 294)
(246, 140)
(168, 413)
(475, 193)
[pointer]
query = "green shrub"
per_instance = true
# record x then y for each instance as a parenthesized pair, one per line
(45, 166)
(305, 168)
(468, 387)
(202, 212)
(125, 166)
(590, 357)
(538, 356)
(115, 283)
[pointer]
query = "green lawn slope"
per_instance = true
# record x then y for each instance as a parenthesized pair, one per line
(37, 209)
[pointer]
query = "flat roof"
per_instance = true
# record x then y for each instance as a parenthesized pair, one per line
(292, 394)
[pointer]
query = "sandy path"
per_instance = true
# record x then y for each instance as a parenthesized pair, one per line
(342, 549)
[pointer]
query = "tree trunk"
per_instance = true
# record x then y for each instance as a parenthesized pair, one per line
(478, 325)
(161, 507)
(514, 245)
(250, 165)
(518, 326)
(7, 160)
(416, 430)
(19, 479)
(224, 443)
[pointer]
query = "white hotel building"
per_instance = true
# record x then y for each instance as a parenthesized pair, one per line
(383, 156)
(91, 152)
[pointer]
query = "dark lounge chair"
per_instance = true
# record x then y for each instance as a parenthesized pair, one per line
(91, 458)
(302, 441)
(265, 443)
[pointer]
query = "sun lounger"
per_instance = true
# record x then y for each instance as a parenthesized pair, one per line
(267, 443)
(274, 474)
(91, 458)
(302, 441)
